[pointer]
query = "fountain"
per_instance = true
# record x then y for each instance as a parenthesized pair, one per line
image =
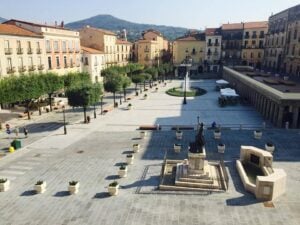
(186, 82)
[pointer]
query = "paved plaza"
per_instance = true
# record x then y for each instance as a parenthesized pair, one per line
(91, 153)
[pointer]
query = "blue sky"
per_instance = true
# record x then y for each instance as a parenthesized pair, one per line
(185, 13)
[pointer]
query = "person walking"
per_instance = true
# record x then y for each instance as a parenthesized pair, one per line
(25, 132)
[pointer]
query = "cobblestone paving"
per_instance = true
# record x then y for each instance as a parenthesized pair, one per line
(92, 154)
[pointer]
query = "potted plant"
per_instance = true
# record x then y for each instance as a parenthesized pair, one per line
(178, 134)
(129, 159)
(122, 171)
(257, 134)
(221, 148)
(73, 187)
(4, 184)
(156, 89)
(136, 148)
(145, 96)
(40, 186)
(143, 134)
(217, 133)
(113, 188)
(129, 107)
(177, 147)
(269, 147)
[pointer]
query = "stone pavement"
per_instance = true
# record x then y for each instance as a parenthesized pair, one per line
(91, 154)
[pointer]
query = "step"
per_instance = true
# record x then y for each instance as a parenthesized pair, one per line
(197, 185)
(202, 181)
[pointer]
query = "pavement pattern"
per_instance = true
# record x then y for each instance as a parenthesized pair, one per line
(91, 153)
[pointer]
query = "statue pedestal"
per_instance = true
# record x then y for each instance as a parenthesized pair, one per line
(196, 162)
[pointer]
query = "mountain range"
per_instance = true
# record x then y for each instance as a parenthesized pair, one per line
(134, 30)
(2, 20)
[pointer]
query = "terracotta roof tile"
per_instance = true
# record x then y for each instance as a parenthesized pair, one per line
(124, 42)
(9, 29)
(13, 21)
(260, 24)
(212, 31)
(108, 32)
(91, 50)
(232, 26)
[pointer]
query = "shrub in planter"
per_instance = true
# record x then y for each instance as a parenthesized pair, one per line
(136, 93)
(4, 184)
(122, 171)
(270, 147)
(156, 89)
(221, 148)
(129, 159)
(145, 96)
(113, 188)
(129, 106)
(178, 134)
(177, 147)
(217, 133)
(257, 134)
(73, 187)
(143, 134)
(136, 148)
(40, 186)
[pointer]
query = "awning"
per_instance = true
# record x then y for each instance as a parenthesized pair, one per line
(222, 82)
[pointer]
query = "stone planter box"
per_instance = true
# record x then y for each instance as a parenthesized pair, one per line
(257, 134)
(4, 186)
(217, 134)
(136, 148)
(143, 134)
(40, 188)
(177, 148)
(73, 189)
(113, 190)
(179, 135)
(129, 159)
(270, 148)
(129, 107)
(122, 171)
(221, 148)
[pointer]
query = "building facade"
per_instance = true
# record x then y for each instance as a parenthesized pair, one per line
(62, 46)
(213, 49)
(93, 62)
(124, 52)
(253, 43)
(21, 51)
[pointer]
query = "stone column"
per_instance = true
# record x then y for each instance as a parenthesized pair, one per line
(279, 117)
(295, 116)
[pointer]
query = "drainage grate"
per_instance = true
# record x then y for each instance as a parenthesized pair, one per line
(80, 152)
(269, 205)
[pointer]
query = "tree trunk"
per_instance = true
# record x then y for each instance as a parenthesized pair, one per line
(136, 87)
(114, 99)
(28, 113)
(144, 85)
(124, 90)
(84, 114)
(39, 107)
(50, 101)
(141, 88)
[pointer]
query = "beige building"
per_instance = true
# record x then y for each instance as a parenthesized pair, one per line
(21, 51)
(93, 62)
(151, 48)
(253, 43)
(117, 52)
(213, 52)
(193, 46)
(62, 46)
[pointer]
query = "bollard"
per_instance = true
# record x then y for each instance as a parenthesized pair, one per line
(11, 149)
(287, 125)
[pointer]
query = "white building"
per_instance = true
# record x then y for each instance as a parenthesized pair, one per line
(213, 40)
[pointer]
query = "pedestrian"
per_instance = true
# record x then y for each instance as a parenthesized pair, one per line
(17, 131)
(213, 125)
(88, 119)
(25, 132)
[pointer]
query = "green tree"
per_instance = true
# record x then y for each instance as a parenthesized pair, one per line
(73, 79)
(84, 95)
(113, 84)
(51, 83)
(137, 79)
(126, 82)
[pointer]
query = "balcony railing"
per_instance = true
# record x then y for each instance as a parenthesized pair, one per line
(217, 44)
(147, 50)
(71, 65)
(254, 36)
(64, 50)
(48, 50)
(29, 51)
(10, 70)
(71, 50)
(78, 65)
(38, 51)
(246, 37)
(41, 67)
(77, 50)
(21, 69)
(31, 68)
(209, 44)
(56, 50)
(8, 51)
(261, 36)
(19, 51)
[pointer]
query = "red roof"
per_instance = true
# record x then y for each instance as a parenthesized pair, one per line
(260, 24)
(91, 50)
(123, 42)
(233, 26)
(8, 29)
(13, 21)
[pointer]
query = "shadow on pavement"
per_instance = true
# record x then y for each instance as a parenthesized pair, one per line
(61, 194)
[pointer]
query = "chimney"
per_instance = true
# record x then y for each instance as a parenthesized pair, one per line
(62, 24)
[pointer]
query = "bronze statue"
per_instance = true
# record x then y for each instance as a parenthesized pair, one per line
(197, 146)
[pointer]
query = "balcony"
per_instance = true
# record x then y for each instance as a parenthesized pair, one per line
(64, 50)
(21, 69)
(246, 37)
(147, 50)
(56, 50)
(8, 51)
(29, 51)
(58, 67)
(19, 51)
(254, 36)
(261, 36)
(66, 65)
(217, 44)
(38, 51)
(78, 65)
(48, 50)
(77, 50)
(41, 67)
(31, 68)
(71, 65)
(209, 44)
(71, 50)
(10, 70)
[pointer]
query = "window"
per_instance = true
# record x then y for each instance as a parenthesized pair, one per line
(9, 64)
(293, 49)
(77, 46)
(64, 46)
(6, 44)
(30, 61)
(259, 55)
(20, 59)
(86, 61)
(70, 46)
(253, 42)
(19, 44)
(38, 45)
(57, 62)
(40, 60)
(49, 63)
(56, 46)
(71, 62)
(106, 49)
(295, 34)
(96, 61)
(251, 55)
(48, 46)
(246, 44)
(29, 44)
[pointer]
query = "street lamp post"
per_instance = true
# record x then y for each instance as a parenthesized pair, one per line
(95, 116)
(101, 104)
(64, 117)
(187, 63)
(184, 94)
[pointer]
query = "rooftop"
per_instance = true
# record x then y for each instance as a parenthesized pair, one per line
(124, 42)
(232, 26)
(108, 32)
(91, 50)
(192, 37)
(212, 31)
(14, 21)
(9, 29)
(253, 25)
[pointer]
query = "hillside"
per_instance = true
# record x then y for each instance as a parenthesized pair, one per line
(2, 20)
(134, 30)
